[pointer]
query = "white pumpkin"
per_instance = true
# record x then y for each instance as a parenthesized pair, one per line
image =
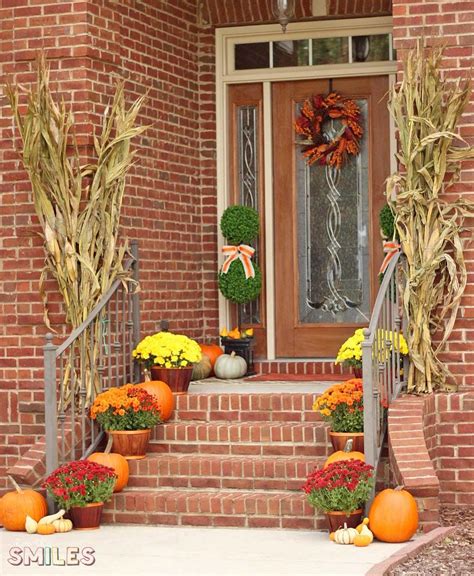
(230, 366)
(345, 535)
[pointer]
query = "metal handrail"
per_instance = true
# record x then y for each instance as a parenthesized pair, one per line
(383, 374)
(104, 360)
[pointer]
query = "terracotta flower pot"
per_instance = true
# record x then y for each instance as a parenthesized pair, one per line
(338, 519)
(86, 517)
(178, 379)
(339, 439)
(357, 372)
(131, 444)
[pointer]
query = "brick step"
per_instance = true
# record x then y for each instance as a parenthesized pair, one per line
(221, 472)
(272, 407)
(255, 509)
(241, 438)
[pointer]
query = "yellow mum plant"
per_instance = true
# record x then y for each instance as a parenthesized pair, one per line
(167, 350)
(350, 353)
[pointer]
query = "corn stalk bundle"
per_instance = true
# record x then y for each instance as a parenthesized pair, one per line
(78, 206)
(426, 109)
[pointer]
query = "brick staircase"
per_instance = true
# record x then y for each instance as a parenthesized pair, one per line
(228, 460)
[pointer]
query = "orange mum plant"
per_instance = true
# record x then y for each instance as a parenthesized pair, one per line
(343, 406)
(128, 407)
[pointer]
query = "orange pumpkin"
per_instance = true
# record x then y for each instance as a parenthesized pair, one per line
(346, 454)
(393, 516)
(115, 461)
(165, 397)
(19, 504)
(212, 351)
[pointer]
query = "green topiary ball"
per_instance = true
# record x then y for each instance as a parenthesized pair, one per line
(236, 288)
(387, 221)
(240, 224)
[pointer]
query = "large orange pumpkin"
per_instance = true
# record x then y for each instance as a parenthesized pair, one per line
(115, 461)
(212, 351)
(393, 516)
(165, 397)
(346, 454)
(19, 504)
(1, 513)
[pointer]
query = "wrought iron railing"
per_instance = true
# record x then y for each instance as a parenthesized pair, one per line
(95, 357)
(382, 363)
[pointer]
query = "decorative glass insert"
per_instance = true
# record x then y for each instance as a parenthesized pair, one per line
(252, 56)
(248, 181)
(330, 50)
(290, 53)
(371, 48)
(333, 244)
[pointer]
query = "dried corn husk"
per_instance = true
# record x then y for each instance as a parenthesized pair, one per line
(78, 206)
(426, 109)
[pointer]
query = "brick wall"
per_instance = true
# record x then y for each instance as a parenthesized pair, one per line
(153, 46)
(453, 23)
(432, 451)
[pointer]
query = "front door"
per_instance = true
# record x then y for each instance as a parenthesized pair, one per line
(327, 245)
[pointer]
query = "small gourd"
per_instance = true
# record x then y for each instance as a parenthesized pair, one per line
(345, 535)
(45, 529)
(362, 540)
(62, 525)
(366, 533)
(31, 525)
(365, 522)
(51, 518)
(230, 366)
(332, 536)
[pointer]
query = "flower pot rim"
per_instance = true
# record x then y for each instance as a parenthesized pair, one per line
(342, 513)
(139, 431)
(346, 433)
(90, 505)
(160, 367)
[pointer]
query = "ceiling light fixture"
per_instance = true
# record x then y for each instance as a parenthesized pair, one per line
(284, 11)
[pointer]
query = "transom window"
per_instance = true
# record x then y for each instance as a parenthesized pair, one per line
(313, 52)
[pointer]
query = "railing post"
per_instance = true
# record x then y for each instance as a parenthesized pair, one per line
(135, 306)
(50, 408)
(370, 424)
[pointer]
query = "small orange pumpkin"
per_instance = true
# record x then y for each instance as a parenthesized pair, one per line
(346, 454)
(332, 536)
(19, 504)
(163, 393)
(45, 529)
(393, 516)
(115, 461)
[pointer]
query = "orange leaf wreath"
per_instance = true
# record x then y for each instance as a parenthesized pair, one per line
(315, 112)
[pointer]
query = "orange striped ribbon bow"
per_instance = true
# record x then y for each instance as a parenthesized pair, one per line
(243, 253)
(390, 248)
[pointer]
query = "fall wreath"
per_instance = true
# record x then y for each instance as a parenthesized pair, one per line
(316, 111)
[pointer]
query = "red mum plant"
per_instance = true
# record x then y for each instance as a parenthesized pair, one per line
(343, 486)
(79, 483)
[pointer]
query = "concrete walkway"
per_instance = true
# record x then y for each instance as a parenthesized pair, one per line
(183, 551)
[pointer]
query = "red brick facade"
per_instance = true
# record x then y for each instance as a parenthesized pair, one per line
(170, 204)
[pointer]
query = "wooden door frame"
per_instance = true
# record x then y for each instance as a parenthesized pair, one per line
(226, 38)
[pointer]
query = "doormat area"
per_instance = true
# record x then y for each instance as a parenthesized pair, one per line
(297, 378)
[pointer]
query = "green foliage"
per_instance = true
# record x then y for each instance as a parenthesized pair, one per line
(236, 288)
(130, 420)
(347, 419)
(387, 222)
(341, 499)
(240, 224)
